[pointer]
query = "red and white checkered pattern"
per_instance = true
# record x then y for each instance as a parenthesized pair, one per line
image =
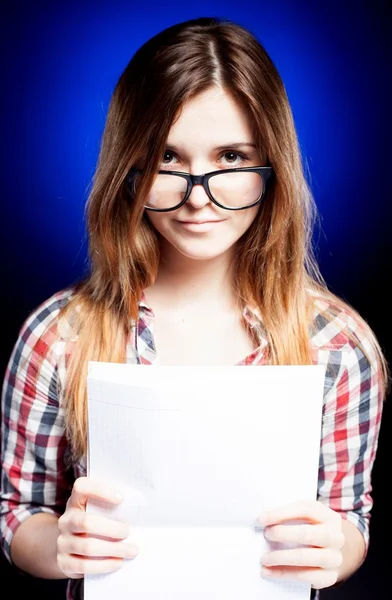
(37, 472)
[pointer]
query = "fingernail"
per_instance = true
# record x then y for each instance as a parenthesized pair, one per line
(132, 551)
(118, 496)
(265, 559)
(258, 526)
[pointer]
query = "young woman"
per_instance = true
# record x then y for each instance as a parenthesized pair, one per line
(199, 224)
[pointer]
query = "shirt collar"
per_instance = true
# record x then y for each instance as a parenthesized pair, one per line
(143, 304)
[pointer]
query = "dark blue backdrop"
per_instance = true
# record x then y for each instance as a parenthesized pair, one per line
(60, 62)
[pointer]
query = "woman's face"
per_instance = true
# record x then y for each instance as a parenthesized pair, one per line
(211, 133)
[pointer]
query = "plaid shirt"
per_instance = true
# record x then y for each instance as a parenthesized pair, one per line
(37, 473)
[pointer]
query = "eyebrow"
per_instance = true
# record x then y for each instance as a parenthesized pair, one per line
(234, 145)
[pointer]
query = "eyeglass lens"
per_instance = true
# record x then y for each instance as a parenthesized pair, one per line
(233, 190)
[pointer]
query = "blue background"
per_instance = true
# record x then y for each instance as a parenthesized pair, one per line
(60, 63)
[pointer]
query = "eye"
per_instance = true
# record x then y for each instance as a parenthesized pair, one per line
(167, 157)
(229, 155)
(233, 157)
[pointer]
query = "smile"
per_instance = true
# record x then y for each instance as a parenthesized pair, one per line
(199, 226)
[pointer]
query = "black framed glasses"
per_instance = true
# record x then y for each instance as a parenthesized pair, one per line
(231, 189)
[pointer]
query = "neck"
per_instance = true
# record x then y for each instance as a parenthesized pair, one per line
(193, 285)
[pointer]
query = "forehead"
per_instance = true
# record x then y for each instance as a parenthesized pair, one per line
(212, 118)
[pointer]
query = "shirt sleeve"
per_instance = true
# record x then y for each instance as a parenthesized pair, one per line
(350, 430)
(34, 477)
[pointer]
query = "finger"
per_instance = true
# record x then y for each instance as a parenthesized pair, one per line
(77, 566)
(86, 488)
(80, 522)
(312, 511)
(318, 578)
(306, 535)
(95, 548)
(325, 558)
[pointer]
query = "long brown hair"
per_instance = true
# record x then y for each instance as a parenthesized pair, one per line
(275, 268)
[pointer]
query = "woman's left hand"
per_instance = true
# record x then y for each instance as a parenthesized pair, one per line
(321, 537)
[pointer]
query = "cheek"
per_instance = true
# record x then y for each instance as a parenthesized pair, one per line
(247, 218)
(157, 220)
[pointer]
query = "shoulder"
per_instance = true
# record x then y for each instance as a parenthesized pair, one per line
(47, 310)
(45, 313)
(338, 326)
(38, 333)
(343, 341)
(32, 369)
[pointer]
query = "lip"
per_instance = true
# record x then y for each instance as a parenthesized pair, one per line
(200, 226)
(201, 222)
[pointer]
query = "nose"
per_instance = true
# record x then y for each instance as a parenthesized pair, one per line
(198, 196)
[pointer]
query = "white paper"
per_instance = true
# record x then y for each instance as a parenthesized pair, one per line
(199, 453)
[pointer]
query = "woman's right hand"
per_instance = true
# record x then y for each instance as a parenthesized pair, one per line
(91, 543)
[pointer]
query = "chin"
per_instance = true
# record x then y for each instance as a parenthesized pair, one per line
(202, 253)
